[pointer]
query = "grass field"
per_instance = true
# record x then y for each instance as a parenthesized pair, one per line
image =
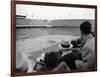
(31, 41)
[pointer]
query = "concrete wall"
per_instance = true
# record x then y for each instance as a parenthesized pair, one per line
(64, 22)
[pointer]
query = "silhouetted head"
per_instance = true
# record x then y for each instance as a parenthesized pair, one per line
(51, 60)
(85, 28)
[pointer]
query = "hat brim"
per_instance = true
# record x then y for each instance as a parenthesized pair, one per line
(71, 46)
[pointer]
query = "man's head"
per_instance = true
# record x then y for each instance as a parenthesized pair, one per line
(85, 28)
(51, 59)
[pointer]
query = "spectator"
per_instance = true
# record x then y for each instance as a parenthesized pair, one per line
(67, 55)
(87, 48)
(51, 60)
(76, 49)
(40, 64)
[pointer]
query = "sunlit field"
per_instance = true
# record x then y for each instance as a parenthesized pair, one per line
(33, 41)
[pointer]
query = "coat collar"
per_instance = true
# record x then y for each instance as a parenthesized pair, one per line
(66, 52)
(88, 37)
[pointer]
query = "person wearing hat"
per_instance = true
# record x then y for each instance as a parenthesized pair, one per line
(87, 49)
(67, 55)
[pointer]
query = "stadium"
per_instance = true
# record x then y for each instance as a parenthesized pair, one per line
(39, 35)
